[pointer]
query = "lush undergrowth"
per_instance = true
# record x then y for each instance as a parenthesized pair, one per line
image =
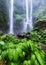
(38, 36)
(15, 51)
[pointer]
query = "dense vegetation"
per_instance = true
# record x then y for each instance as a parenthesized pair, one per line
(15, 51)
(38, 36)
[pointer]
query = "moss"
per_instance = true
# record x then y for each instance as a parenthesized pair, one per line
(40, 24)
(1, 33)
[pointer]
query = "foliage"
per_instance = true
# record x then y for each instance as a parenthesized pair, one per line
(24, 52)
(1, 33)
(40, 24)
(9, 38)
(38, 36)
(39, 11)
(39, 32)
(43, 37)
(18, 17)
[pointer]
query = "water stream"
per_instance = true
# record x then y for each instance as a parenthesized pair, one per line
(31, 22)
(28, 25)
(11, 16)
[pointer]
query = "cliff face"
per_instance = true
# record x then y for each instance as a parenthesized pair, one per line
(39, 9)
(40, 24)
(3, 15)
(39, 12)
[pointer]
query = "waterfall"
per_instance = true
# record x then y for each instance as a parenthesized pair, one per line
(27, 11)
(28, 22)
(27, 17)
(11, 16)
(31, 23)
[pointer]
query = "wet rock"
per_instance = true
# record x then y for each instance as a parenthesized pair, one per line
(25, 35)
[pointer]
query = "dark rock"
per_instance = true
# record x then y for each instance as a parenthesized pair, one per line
(26, 35)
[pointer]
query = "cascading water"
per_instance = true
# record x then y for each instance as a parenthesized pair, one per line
(11, 16)
(31, 23)
(27, 17)
(27, 11)
(28, 22)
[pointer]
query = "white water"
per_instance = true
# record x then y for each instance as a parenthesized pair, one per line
(28, 21)
(27, 16)
(11, 16)
(27, 11)
(31, 23)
